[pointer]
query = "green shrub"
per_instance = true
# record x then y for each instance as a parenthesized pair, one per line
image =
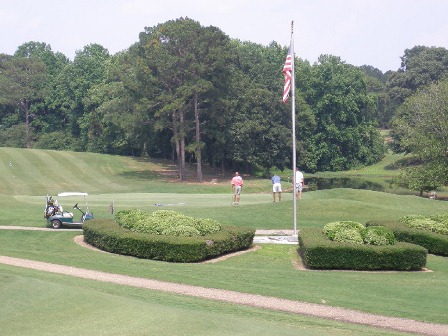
(348, 236)
(435, 243)
(356, 233)
(409, 218)
(181, 230)
(437, 223)
(318, 252)
(108, 236)
(441, 218)
(378, 235)
(166, 222)
(332, 228)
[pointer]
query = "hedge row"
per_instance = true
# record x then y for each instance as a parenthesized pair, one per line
(109, 236)
(435, 243)
(318, 252)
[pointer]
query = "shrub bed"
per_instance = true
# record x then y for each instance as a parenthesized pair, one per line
(435, 243)
(108, 236)
(166, 222)
(319, 252)
(356, 233)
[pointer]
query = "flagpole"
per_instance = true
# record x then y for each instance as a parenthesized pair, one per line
(293, 113)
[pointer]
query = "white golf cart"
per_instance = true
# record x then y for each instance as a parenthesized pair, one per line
(57, 217)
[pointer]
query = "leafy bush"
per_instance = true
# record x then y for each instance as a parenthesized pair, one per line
(356, 233)
(332, 228)
(166, 222)
(435, 243)
(349, 236)
(441, 218)
(378, 235)
(437, 223)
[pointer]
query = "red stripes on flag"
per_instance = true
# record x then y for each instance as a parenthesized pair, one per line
(287, 71)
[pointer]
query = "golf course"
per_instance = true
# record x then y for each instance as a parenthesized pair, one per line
(35, 302)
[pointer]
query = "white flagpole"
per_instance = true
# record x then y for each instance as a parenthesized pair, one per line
(293, 112)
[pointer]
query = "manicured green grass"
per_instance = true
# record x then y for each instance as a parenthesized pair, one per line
(255, 211)
(37, 303)
(268, 271)
(129, 183)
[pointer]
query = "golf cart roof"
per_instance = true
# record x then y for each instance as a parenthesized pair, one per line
(72, 194)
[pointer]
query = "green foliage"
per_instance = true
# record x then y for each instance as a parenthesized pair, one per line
(435, 243)
(344, 135)
(425, 177)
(420, 67)
(349, 236)
(356, 233)
(166, 222)
(57, 141)
(332, 228)
(213, 99)
(14, 136)
(437, 223)
(420, 128)
(440, 217)
(378, 235)
(318, 252)
(109, 236)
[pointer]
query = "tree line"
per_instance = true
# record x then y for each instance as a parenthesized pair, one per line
(189, 93)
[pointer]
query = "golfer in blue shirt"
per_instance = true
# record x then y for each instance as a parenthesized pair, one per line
(276, 187)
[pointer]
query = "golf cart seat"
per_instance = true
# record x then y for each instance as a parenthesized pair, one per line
(65, 214)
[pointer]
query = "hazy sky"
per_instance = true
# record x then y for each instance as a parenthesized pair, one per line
(372, 32)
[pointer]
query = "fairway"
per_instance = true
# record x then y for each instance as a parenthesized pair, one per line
(149, 185)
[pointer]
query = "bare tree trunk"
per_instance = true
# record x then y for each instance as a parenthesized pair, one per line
(198, 140)
(176, 140)
(182, 170)
(25, 104)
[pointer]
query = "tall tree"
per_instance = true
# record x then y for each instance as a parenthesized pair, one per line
(345, 135)
(188, 62)
(72, 86)
(47, 118)
(22, 82)
(421, 128)
(420, 66)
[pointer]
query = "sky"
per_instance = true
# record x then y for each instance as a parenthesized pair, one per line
(360, 32)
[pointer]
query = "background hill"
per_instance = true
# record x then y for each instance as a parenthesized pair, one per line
(127, 182)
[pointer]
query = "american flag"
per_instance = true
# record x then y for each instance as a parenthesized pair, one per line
(287, 71)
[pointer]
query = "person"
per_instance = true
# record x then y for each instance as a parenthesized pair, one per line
(299, 183)
(237, 185)
(276, 187)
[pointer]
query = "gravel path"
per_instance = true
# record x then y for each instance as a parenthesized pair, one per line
(258, 301)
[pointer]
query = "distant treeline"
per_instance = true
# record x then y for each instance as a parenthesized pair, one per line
(191, 94)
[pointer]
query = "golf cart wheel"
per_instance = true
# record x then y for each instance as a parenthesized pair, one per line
(56, 224)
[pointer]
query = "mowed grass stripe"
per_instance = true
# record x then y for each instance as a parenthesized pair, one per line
(36, 172)
(26, 172)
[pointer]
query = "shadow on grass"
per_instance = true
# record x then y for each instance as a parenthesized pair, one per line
(403, 163)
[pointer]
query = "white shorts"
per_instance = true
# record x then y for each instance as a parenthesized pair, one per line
(299, 186)
(276, 187)
(237, 190)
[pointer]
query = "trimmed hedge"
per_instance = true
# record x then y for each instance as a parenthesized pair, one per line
(318, 252)
(435, 243)
(109, 236)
